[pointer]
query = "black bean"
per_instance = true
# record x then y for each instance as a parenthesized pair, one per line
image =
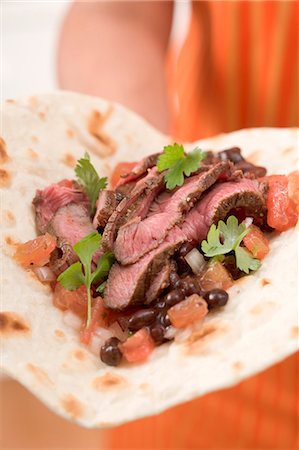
(110, 352)
(232, 154)
(185, 249)
(163, 319)
(190, 286)
(216, 297)
(173, 280)
(141, 319)
(174, 297)
(157, 332)
(160, 305)
(183, 266)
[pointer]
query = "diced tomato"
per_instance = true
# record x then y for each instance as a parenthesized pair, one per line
(36, 252)
(98, 319)
(76, 301)
(120, 169)
(256, 242)
(216, 276)
(187, 312)
(66, 183)
(282, 211)
(293, 187)
(138, 347)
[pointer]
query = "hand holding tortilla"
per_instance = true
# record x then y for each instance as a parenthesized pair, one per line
(181, 225)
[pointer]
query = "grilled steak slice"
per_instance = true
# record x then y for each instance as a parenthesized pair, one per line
(106, 205)
(53, 197)
(245, 194)
(137, 204)
(128, 285)
(159, 283)
(69, 224)
(137, 237)
(140, 169)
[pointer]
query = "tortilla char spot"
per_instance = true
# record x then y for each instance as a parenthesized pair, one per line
(32, 102)
(10, 100)
(69, 160)
(38, 171)
(70, 133)
(200, 339)
(72, 406)
(5, 178)
(262, 307)
(95, 128)
(10, 240)
(9, 217)
(39, 374)
(12, 324)
(41, 115)
(59, 333)
(31, 153)
(265, 281)
(34, 139)
(254, 157)
(79, 354)
(238, 366)
(3, 151)
(295, 332)
(109, 381)
(144, 386)
(288, 150)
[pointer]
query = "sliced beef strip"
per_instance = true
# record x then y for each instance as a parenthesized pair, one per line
(137, 237)
(106, 205)
(70, 224)
(246, 194)
(234, 155)
(159, 283)
(136, 204)
(140, 169)
(47, 201)
(128, 285)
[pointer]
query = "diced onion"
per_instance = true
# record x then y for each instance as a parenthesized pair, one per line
(44, 274)
(183, 334)
(72, 320)
(98, 339)
(170, 332)
(117, 331)
(196, 261)
(248, 221)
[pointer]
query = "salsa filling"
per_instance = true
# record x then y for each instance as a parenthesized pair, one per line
(133, 265)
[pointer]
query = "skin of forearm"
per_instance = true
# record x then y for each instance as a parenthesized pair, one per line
(117, 50)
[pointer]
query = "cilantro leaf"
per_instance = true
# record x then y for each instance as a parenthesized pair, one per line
(88, 178)
(72, 277)
(178, 164)
(245, 261)
(227, 237)
(102, 287)
(103, 267)
(87, 247)
(171, 154)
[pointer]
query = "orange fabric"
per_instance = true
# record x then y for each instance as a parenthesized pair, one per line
(259, 413)
(238, 68)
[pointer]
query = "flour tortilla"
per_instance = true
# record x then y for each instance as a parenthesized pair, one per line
(44, 135)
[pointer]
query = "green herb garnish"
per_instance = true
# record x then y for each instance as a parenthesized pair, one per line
(88, 178)
(178, 164)
(73, 277)
(227, 237)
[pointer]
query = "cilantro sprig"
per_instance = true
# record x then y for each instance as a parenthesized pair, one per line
(74, 276)
(88, 178)
(178, 164)
(227, 237)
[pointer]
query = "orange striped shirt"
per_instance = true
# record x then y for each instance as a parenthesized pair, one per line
(238, 68)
